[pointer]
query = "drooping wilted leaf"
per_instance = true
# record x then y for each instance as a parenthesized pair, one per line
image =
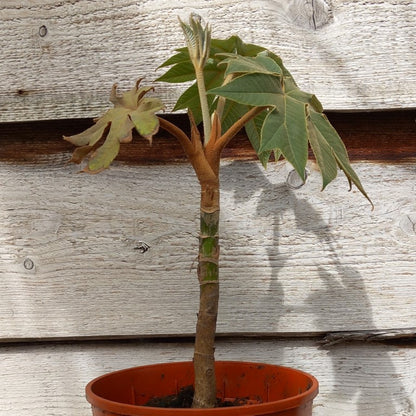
(131, 110)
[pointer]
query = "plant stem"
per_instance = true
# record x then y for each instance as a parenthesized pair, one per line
(206, 163)
(222, 141)
(208, 276)
(202, 92)
(222, 100)
(177, 132)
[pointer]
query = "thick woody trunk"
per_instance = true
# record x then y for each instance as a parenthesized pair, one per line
(204, 362)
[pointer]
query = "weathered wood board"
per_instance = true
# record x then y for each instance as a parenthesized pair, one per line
(60, 59)
(293, 260)
(355, 379)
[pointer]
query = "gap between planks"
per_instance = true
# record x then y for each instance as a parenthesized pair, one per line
(386, 137)
(401, 336)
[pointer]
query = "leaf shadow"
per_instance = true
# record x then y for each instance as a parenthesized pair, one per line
(341, 298)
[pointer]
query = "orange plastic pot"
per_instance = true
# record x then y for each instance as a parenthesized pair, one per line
(272, 390)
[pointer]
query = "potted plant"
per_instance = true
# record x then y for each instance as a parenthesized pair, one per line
(237, 85)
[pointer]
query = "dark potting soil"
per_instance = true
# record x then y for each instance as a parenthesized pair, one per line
(183, 400)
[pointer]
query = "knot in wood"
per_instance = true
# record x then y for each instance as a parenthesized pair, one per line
(310, 14)
(28, 264)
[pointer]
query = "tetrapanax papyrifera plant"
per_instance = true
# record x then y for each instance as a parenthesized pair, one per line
(237, 85)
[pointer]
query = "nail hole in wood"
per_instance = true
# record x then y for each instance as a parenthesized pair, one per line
(43, 31)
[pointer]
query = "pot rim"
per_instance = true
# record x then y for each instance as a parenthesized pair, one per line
(244, 410)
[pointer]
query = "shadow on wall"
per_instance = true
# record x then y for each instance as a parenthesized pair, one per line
(363, 375)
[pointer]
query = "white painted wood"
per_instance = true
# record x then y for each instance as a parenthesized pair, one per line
(293, 261)
(355, 380)
(60, 59)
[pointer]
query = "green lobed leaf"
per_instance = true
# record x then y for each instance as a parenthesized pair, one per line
(326, 137)
(284, 127)
(295, 117)
(190, 98)
(182, 55)
(260, 64)
(182, 70)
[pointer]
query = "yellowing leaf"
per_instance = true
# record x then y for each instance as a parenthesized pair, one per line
(131, 110)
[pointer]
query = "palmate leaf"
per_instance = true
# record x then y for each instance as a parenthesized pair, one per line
(182, 55)
(233, 111)
(284, 126)
(190, 98)
(131, 110)
(330, 151)
(294, 119)
(279, 125)
(260, 64)
(182, 70)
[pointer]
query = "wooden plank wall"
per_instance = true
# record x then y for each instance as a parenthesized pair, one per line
(324, 283)
(309, 279)
(60, 59)
(321, 255)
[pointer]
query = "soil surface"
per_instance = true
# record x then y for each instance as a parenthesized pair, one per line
(183, 400)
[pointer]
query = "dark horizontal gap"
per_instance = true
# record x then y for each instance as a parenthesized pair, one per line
(162, 338)
(405, 336)
(383, 136)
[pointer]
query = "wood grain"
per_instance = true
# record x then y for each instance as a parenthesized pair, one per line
(355, 380)
(293, 260)
(60, 59)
